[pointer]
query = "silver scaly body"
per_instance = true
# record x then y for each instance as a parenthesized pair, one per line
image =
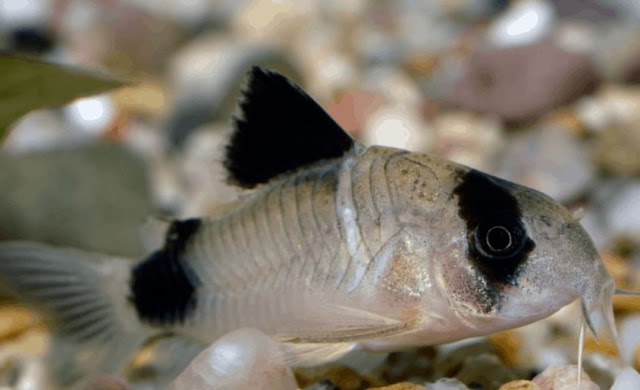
(338, 246)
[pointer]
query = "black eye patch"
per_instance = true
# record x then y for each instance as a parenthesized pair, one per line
(497, 239)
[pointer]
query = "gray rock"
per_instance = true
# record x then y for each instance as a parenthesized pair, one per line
(522, 83)
(94, 198)
(616, 150)
(551, 160)
(627, 379)
(485, 370)
(621, 208)
(446, 384)
(322, 385)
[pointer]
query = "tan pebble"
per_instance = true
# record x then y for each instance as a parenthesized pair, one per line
(564, 378)
(33, 342)
(507, 345)
(421, 64)
(106, 383)
(604, 346)
(519, 385)
(626, 303)
(400, 386)
(343, 377)
(618, 268)
(568, 119)
(636, 358)
(352, 108)
(15, 320)
(145, 98)
(143, 357)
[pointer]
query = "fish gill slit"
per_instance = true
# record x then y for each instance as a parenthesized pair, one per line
(353, 235)
(372, 192)
(386, 177)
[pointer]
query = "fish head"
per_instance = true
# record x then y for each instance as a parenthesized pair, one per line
(517, 256)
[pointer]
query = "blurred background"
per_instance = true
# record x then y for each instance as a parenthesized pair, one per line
(543, 93)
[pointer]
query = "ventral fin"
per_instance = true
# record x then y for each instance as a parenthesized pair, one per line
(280, 129)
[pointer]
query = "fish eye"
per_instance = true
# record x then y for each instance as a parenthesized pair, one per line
(501, 236)
(498, 238)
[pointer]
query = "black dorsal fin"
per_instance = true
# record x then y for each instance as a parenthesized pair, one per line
(281, 128)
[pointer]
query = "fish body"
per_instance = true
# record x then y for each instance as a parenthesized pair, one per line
(339, 246)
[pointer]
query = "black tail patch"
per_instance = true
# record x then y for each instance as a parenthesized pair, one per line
(281, 129)
(164, 286)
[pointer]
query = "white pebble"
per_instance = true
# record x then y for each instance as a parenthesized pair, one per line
(629, 337)
(627, 379)
(526, 22)
(564, 378)
(91, 114)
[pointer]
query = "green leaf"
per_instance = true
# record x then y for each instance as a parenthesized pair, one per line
(28, 84)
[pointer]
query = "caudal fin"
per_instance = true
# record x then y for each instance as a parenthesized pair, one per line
(82, 297)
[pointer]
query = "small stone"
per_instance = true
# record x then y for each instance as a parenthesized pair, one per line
(486, 370)
(523, 23)
(33, 342)
(603, 345)
(627, 379)
(322, 385)
(613, 106)
(564, 378)
(616, 150)
(629, 338)
(352, 108)
(146, 98)
(398, 127)
(622, 211)
(548, 159)
(20, 372)
(602, 368)
(507, 345)
(409, 364)
(277, 22)
(446, 384)
(107, 383)
(495, 80)
(520, 385)
(93, 198)
(468, 139)
(91, 115)
(15, 320)
(343, 377)
(451, 357)
(400, 386)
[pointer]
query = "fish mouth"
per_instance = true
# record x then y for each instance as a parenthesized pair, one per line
(597, 313)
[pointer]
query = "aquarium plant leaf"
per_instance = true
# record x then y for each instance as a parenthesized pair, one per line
(27, 84)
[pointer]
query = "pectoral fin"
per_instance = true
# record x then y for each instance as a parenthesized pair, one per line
(340, 324)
